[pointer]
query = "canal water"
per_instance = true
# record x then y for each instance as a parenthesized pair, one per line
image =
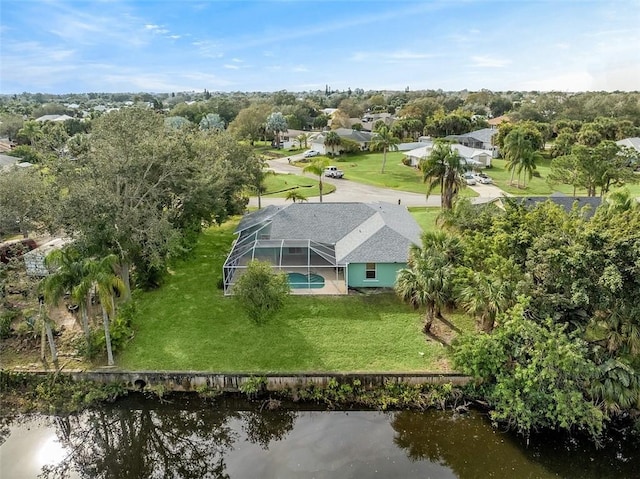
(185, 437)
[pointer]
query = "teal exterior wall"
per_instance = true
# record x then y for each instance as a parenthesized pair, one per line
(385, 275)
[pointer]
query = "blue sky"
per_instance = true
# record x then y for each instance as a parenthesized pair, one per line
(164, 46)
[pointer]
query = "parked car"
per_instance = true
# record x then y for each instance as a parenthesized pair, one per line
(483, 179)
(333, 172)
(310, 153)
(469, 178)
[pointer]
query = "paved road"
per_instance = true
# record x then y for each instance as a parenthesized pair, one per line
(351, 191)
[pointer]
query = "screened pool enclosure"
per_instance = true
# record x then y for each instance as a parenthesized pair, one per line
(311, 266)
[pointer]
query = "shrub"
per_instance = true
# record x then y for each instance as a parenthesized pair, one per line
(6, 318)
(260, 291)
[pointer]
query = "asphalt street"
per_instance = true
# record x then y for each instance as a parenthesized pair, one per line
(350, 191)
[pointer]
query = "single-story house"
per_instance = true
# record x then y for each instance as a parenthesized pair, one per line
(326, 248)
(363, 138)
(589, 203)
(44, 118)
(633, 143)
(479, 140)
(475, 158)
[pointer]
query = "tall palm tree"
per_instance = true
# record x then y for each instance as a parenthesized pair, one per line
(107, 284)
(47, 332)
(444, 167)
(68, 274)
(384, 140)
(518, 151)
(428, 279)
(302, 138)
(331, 141)
(317, 168)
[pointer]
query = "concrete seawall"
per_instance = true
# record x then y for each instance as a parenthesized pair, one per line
(195, 380)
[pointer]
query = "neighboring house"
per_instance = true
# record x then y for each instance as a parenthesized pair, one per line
(326, 248)
(8, 162)
(498, 120)
(590, 203)
(44, 118)
(475, 158)
(363, 138)
(479, 140)
(34, 260)
(630, 143)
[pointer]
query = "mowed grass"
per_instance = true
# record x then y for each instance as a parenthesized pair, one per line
(426, 217)
(279, 185)
(365, 168)
(537, 186)
(188, 324)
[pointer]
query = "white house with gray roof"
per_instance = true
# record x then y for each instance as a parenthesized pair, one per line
(326, 248)
(478, 140)
(363, 138)
(474, 157)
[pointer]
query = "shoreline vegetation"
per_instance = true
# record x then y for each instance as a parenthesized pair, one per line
(24, 393)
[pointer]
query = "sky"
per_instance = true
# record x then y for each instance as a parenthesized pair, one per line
(63, 47)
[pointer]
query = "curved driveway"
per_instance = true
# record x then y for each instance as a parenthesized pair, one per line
(350, 191)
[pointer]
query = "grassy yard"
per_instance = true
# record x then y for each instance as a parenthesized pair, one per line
(279, 185)
(187, 324)
(537, 186)
(365, 168)
(426, 217)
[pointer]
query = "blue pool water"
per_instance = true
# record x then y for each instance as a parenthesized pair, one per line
(299, 280)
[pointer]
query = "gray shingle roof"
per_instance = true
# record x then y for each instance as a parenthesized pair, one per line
(361, 232)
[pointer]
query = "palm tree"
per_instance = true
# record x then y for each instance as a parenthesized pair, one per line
(295, 195)
(620, 200)
(331, 141)
(47, 332)
(429, 277)
(519, 154)
(384, 140)
(107, 284)
(444, 167)
(69, 274)
(485, 296)
(317, 168)
(302, 138)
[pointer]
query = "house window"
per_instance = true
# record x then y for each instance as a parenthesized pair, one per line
(370, 271)
(295, 250)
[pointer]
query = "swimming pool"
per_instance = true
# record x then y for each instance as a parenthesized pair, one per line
(303, 281)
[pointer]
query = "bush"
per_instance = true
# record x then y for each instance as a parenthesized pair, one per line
(534, 375)
(6, 318)
(260, 291)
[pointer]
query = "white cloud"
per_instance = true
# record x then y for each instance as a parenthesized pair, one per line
(300, 69)
(231, 67)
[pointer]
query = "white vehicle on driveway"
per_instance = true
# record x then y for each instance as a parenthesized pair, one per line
(333, 172)
(310, 153)
(483, 179)
(469, 178)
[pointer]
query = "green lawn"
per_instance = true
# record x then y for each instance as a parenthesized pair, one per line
(279, 185)
(365, 168)
(187, 324)
(426, 217)
(537, 186)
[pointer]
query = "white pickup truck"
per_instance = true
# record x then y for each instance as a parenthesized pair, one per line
(333, 172)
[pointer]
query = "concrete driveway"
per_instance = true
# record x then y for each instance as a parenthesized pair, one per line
(350, 191)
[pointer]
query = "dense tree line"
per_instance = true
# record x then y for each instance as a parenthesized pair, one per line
(557, 298)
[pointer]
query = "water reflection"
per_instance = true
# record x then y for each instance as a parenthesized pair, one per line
(188, 438)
